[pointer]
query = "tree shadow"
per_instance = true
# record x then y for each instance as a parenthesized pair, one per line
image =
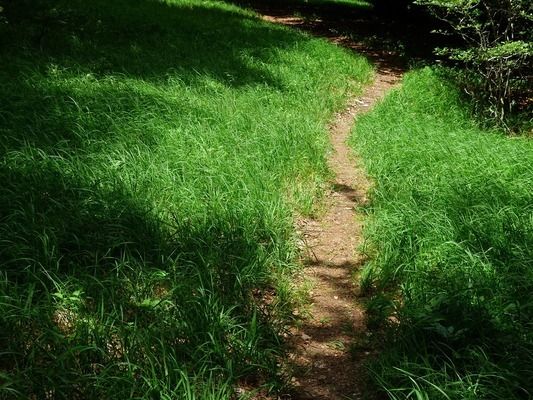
(59, 233)
(145, 39)
(390, 32)
(66, 62)
(62, 62)
(337, 347)
(79, 116)
(72, 72)
(52, 219)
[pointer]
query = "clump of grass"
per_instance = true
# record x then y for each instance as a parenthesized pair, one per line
(451, 235)
(145, 149)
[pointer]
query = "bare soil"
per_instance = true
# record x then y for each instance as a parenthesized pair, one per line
(327, 357)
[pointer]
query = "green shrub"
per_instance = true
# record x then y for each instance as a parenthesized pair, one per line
(496, 49)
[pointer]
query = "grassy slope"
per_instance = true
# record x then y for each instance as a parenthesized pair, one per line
(146, 150)
(452, 230)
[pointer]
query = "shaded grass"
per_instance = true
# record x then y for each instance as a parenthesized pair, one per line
(451, 235)
(363, 4)
(152, 157)
(405, 32)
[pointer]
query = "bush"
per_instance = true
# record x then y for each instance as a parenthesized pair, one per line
(496, 49)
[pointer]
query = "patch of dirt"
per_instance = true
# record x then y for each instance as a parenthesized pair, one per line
(325, 360)
(328, 366)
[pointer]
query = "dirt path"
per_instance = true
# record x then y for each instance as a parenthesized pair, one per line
(329, 366)
(326, 362)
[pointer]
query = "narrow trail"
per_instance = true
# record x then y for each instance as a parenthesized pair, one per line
(328, 367)
(326, 364)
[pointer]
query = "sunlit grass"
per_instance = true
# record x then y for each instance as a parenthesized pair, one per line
(451, 237)
(152, 158)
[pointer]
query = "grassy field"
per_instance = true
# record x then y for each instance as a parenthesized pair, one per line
(153, 155)
(451, 241)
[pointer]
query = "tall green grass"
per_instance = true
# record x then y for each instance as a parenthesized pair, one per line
(152, 157)
(451, 234)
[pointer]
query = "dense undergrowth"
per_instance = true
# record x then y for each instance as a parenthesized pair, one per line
(451, 234)
(146, 153)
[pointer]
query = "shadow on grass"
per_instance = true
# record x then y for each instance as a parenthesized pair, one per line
(62, 62)
(382, 26)
(75, 116)
(144, 39)
(95, 288)
(155, 296)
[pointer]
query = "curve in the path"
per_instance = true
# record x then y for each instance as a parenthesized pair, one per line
(324, 368)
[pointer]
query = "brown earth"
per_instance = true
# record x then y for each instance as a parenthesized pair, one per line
(327, 358)
(329, 363)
